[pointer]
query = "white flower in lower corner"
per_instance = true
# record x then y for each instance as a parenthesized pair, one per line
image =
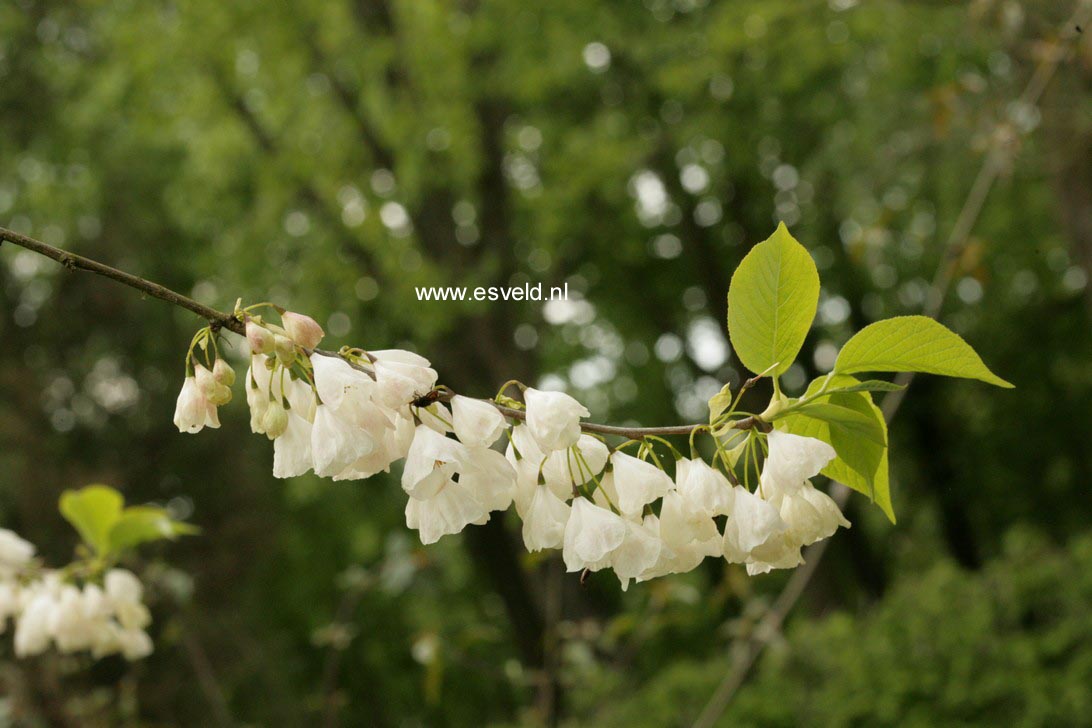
(553, 418)
(292, 454)
(637, 483)
(591, 535)
(193, 412)
(544, 520)
(32, 635)
(704, 487)
(477, 423)
(15, 552)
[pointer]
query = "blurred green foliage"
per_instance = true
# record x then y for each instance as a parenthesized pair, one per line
(334, 155)
(1010, 645)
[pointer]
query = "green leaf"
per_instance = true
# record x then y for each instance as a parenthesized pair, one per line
(913, 344)
(771, 303)
(93, 511)
(861, 463)
(140, 524)
(719, 402)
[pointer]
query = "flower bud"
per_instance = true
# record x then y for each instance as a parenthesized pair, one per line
(275, 420)
(260, 338)
(206, 382)
(304, 330)
(220, 395)
(223, 373)
(285, 348)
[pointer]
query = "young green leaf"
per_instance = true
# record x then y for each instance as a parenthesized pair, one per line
(771, 303)
(913, 344)
(139, 524)
(719, 402)
(93, 511)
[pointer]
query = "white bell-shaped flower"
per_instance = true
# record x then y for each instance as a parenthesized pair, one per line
(544, 520)
(591, 534)
(477, 423)
(393, 445)
(292, 454)
(792, 459)
(811, 515)
(447, 510)
(339, 383)
(673, 560)
(488, 476)
(638, 552)
(336, 443)
(430, 453)
(193, 412)
(752, 523)
(684, 527)
(637, 483)
(781, 551)
(553, 418)
(704, 487)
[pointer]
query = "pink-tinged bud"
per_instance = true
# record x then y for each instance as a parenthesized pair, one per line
(223, 373)
(260, 338)
(285, 348)
(304, 330)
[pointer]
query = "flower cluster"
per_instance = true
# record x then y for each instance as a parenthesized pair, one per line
(350, 415)
(49, 608)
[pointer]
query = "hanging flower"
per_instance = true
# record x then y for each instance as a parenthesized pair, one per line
(703, 487)
(553, 418)
(591, 536)
(476, 423)
(637, 483)
(193, 412)
(545, 520)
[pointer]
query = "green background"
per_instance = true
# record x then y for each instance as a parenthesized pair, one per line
(334, 155)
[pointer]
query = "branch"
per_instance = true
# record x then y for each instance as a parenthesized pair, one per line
(219, 319)
(748, 650)
(78, 262)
